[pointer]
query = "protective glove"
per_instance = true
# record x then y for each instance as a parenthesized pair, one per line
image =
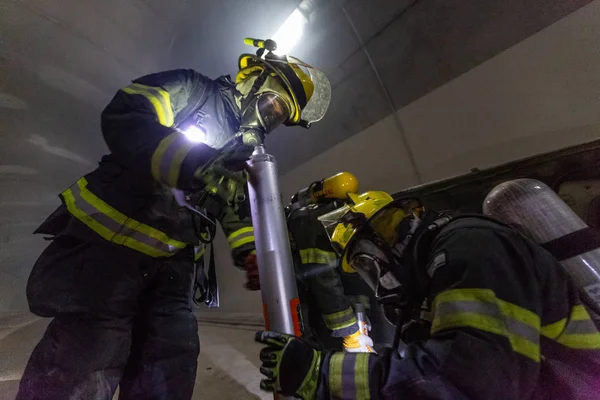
(359, 342)
(234, 158)
(291, 366)
(225, 184)
(251, 267)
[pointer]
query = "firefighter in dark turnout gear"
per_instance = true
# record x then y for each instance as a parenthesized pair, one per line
(317, 263)
(117, 277)
(506, 320)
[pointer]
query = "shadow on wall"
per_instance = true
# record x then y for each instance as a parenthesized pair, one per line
(48, 137)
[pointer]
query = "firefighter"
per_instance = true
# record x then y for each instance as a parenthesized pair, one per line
(317, 263)
(506, 320)
(117, 277)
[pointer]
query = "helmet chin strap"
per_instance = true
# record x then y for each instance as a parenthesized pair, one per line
(257, 84)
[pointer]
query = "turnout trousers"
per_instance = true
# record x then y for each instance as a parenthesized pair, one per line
(120, 318)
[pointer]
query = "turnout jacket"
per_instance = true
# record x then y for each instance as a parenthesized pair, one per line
(508, 323)
(127, 200)
(318, 264)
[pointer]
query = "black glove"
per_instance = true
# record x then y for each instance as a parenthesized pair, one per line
(227, 185)
(291, 365)
(234, 158)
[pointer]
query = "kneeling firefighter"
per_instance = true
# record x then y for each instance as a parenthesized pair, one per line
(506, 320)
(117, 277)
(317, 264)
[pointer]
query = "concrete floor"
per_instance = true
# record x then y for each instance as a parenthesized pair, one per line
(227, 366)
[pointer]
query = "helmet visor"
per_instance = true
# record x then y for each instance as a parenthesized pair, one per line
(317, 106)
(330, 222)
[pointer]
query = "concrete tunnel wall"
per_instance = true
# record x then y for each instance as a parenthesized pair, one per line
(61, 62)
(539, 95)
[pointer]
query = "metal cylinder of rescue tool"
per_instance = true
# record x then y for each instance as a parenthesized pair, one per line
(281, 306)
(537, 211)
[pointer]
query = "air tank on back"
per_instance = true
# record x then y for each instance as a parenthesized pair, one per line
(334, 187)
(537, 211)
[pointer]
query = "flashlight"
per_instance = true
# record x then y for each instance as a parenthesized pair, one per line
(195, 134)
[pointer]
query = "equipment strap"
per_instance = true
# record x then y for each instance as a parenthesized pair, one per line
(573, 244)
(206, 284)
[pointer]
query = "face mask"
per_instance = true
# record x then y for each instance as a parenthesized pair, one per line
(389, 280)
(265, 112)
(268, 108)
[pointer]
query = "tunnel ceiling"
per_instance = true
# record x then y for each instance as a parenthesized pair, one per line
(62, 60)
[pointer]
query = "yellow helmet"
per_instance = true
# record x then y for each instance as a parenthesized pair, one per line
(308, 87)
(343, 224)
(335, 187)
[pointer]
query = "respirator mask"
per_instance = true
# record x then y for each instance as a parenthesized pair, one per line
(265, 108)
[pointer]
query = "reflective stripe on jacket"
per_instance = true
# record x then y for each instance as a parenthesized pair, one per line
(340, 320)
(115, 226)
(127, 199)
(508, 323)
(319, 268)
(237, 226)
(240, 237)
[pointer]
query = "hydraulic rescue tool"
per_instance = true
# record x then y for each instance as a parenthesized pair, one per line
(281, 305)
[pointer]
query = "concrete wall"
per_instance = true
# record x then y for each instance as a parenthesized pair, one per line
(60, 64)
(540, 95)
(61, 61)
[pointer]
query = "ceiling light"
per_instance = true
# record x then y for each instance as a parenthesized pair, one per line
(288, 35)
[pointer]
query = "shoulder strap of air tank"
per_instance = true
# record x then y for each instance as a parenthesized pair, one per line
(197, 97)
(435, 224)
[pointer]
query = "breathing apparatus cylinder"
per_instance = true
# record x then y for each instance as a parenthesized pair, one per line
(334, 187)
(534, 209)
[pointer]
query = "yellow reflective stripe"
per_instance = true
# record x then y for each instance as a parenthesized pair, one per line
(488, 296)
(576, 332)
(241, 242)
(308, 387)
(199, 252)
(361, 377)
(554, 329)
(122, 219)
(241, 237)
(317, 256)
(106, 233)
(176, 162)
(472, 320)
(335, 375)
(520, 314)
(481, 309)
(340, 314)
(340, 320)
(159, 98)
(580, 341)
(157, 157)
(524, 346)
(168, 157)
(349, 376)
(579, 313)
(239, 232)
